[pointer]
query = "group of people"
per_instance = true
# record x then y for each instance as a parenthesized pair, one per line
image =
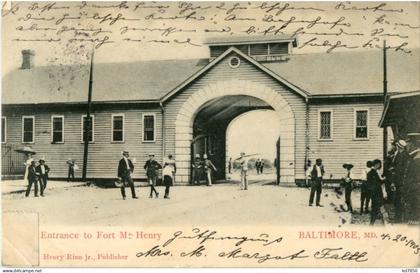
(152, 167)
(206, 167)
(37, 175)
(259, 166)
(202, 167)
(399, 183)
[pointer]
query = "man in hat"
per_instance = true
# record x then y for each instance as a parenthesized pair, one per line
(152, 171)
(388, 172)
(71, 163)
(317, 175)
(375, 189)
(125, 169)
(399, 166)
(197, 167)
(412, 179)
(33, 179)
(347, 183)
(244, 169)
(42, 169)
(208, 169)
(258, 165)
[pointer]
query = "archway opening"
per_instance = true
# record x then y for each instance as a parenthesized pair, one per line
(210, 96)
(210, 127)
(255, 133)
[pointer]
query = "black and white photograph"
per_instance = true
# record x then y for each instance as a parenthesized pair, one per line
(257, 134)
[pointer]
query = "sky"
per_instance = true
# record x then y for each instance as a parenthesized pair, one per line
(248, 134)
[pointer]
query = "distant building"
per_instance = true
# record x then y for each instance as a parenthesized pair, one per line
(329, 106)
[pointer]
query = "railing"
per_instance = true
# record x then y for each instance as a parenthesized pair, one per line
(12, 162)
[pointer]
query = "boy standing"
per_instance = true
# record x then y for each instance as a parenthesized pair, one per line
(152, 168)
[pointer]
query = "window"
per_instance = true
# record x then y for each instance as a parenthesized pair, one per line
(325, 125)
(361, 122)
(149, 127)
(57, 129)
(279, 48)
(118, 128)
(91, 126)
(3, 129)
(259, 49)
(234, 62)
(28, 126)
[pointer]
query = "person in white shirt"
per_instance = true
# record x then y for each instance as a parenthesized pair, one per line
(168, 172)
(243, 161)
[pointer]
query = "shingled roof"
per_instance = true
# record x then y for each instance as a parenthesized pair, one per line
(135, 81)
(317, 74)
(351, 72)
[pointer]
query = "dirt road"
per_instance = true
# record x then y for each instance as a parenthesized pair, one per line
(225, 204)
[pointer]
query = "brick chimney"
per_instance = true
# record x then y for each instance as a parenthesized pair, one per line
(28, 59)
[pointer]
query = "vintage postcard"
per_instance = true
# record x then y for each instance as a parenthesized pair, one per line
(210, 134)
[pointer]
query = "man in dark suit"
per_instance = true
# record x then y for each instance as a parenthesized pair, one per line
(33, 179)
(317, 174)
(125, 169)
(374, 183)
(412, 180)
(399, 164)
(42, 169)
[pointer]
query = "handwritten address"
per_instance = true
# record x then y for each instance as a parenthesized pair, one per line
(326, 26)
(274, 249)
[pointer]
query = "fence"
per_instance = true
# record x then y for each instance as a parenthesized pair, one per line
(12, 162)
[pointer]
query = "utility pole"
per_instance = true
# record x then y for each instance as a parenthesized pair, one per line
(385, 86)
(88, 122)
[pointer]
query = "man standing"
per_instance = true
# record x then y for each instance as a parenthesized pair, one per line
(71, 163)
(208, 169)
(258, 165)
(230, 165)
(125, 169)
(375, 189)
(152, 171)
(33, 179)
(42, 169)
(261, 166)
(412, 180)
(317, 175)
(244, 169)
(197, 170)
(365, 195)
(400, 164)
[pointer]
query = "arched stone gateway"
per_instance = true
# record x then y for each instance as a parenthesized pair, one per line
(190, 108)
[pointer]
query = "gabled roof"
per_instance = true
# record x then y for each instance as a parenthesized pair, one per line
(327, 75)
(221, 57)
